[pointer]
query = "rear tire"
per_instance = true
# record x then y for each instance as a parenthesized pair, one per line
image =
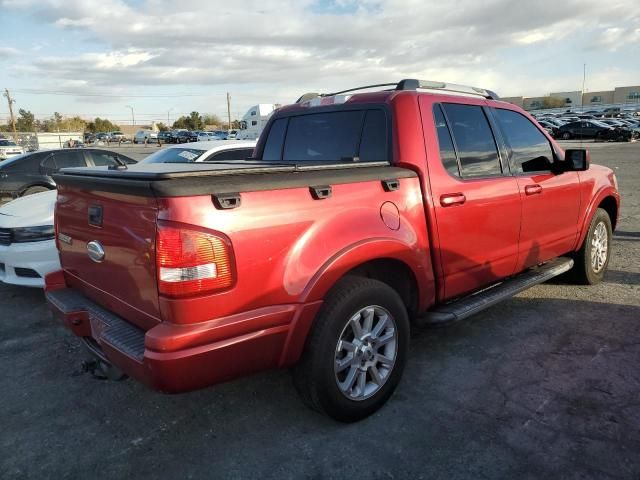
(32, 190)
(592, 260)
(356, 350)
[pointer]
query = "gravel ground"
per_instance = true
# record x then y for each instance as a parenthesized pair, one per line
(545, 385)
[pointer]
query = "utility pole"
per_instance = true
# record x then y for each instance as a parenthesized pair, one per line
(11, 101)
(133, 118)
(168, 121)
(584, 79)
(229, 109)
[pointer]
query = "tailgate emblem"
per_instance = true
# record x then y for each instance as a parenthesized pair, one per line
(95, 251)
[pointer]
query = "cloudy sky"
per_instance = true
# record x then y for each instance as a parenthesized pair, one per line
(95, 57)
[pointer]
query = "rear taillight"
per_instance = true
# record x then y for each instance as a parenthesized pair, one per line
(192, 262)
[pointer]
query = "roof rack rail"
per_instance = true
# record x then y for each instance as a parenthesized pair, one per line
(412, 84)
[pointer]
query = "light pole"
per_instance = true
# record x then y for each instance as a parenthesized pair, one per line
(169, 122)
(133, 118)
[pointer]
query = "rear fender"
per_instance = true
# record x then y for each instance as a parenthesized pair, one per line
(350, 257)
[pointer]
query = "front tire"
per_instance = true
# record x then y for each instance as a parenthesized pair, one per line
(356, 350)
(592, 259)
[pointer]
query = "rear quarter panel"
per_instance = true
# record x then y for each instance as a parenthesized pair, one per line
(290, 248)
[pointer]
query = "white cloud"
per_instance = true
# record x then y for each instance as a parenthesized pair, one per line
(291, 46)
(6, 52)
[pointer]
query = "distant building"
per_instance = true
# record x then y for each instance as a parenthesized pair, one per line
(626, 95)
(575, 99)
(571, 99)
(593, 99)
(534, 103)
(519, 101)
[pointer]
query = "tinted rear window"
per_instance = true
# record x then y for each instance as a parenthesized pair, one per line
(323, 137)
(474, 140)
(329, 137)
(174, 155)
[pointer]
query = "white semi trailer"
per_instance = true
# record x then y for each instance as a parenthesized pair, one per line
(254, 121)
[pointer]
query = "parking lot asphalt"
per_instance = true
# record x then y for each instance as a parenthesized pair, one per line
(545, 385)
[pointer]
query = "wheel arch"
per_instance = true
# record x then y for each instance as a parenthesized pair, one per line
(409, 272)
(607, 199)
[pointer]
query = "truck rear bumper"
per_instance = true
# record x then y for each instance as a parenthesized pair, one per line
(177, 358)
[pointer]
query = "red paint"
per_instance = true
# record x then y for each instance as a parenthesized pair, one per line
(288, 250)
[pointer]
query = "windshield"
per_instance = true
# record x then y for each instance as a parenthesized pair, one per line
(7, 143)
(175, 155)
(600, 124)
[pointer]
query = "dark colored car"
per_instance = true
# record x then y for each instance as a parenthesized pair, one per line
(592, 129)
(167, 137)
(31, 172)
(185, 136)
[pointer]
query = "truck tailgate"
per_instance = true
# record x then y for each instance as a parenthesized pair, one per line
(124, 227)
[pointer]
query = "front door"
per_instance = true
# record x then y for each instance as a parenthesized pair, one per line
(550, 201)
(477, 205)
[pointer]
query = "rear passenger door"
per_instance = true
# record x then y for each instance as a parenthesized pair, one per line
(476, 200)
(550, 200)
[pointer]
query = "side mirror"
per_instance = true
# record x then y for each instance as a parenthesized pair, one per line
(576, 160)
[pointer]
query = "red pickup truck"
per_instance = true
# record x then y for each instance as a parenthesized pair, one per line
(360, 215)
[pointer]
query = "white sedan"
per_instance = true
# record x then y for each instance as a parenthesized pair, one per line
(212, 151)
(27, 246)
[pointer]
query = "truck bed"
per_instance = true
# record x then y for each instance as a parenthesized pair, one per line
(176, 180)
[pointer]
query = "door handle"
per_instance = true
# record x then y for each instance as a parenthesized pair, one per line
(533, 189)
(450, 199)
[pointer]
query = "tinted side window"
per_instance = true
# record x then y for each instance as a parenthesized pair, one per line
(530, 149)
(49, 165)
(273, 146)
(236, 154)
(373, 145)
(102, 159)
(323, 136)
(447, 151)
(473, 137)
(69, 159)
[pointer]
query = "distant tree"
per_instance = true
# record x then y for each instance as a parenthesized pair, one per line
(192, 122)
(235, 124)
(162, 127)
(73, 124)
(211, 119)
(57, 120)
(25, 121)
(101, 125)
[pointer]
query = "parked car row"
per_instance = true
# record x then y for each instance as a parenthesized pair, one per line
(586, 126)
(187, 136)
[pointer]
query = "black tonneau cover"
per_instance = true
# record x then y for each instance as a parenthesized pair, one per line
(185, 179)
